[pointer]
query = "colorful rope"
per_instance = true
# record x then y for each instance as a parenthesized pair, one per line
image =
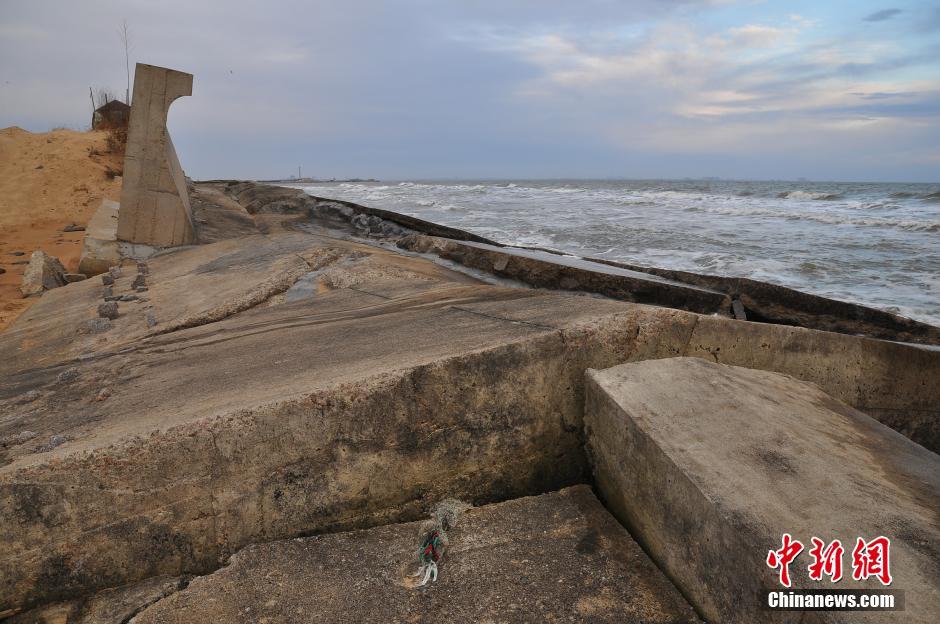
(433, 536)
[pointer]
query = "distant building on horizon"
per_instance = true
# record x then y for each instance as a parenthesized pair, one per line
(113, 114)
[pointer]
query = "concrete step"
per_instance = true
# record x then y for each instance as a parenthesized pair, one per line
(709, 465)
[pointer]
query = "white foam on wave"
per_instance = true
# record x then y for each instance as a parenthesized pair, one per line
(812, 195)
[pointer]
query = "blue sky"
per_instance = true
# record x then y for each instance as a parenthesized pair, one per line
(505, 88)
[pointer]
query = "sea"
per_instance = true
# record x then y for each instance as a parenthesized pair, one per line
(877, 244)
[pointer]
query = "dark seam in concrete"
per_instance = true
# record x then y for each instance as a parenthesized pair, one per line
(926, 410)
(508, 320)
(366, 292)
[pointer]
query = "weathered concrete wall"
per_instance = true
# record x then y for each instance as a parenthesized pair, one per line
(155, 206)
(770, 303)
(709, 465)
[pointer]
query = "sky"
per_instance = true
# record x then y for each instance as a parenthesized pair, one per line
(421, 89)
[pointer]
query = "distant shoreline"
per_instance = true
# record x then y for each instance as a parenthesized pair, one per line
(315, 181)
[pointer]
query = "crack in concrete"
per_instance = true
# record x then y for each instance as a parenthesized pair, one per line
(507, 320)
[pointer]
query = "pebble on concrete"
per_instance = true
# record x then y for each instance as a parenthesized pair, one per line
(67, 375)
(108, 310)
(98, 325)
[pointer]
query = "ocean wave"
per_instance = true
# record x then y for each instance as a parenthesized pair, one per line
(809, 195)
(932, 197)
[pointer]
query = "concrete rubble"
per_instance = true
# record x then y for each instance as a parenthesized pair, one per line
(43, 273)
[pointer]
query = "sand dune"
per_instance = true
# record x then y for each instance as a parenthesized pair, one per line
(47, 181)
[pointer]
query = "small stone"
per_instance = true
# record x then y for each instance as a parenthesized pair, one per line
(54, 441)
(141, 289)
(107, 279)
(142, 268)
(139, 282)
(69, 374)
(17, 253)
(128, 298)
(113, 298)
(71, 278)
(108, 310)
(98, 325)
(151, 319)
(28, 397)
(115, 272)
(72, 227)
(103, 394)
(107, 291)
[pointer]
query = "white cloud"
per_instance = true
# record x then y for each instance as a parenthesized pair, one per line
(756, 35)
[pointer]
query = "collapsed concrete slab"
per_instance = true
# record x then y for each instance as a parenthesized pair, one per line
(709, 465)
(155, 207)
(546, 270)
(556, 557)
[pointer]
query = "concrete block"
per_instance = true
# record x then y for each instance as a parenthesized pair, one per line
(708, 465)
(101, 249)
(155, 208)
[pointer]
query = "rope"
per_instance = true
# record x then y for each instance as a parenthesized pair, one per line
(433, 538)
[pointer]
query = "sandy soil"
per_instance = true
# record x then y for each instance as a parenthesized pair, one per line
(47, 181)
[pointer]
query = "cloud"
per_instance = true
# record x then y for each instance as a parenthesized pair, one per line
(450, 88)
(882, 15)
(754, 35)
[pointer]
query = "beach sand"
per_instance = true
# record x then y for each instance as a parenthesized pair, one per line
(47, 181)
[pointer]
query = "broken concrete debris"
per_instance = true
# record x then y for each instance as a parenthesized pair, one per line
(44, 273)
